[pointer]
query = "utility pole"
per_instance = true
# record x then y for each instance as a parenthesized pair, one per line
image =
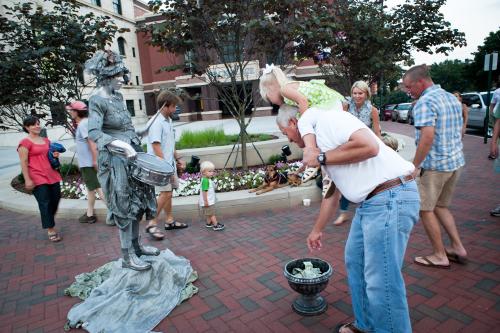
(381, 111)
(490, 64)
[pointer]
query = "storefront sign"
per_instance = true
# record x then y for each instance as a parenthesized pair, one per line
(251, 71)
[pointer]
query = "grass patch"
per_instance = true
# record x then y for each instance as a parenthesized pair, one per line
(213, 137)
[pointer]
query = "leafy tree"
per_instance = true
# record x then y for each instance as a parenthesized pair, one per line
(475, 71)
(392, 97)
(42, 52)
(231, 34)
(451, 75)
(370, 40)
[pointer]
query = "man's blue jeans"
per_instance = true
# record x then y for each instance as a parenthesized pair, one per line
(374, 256)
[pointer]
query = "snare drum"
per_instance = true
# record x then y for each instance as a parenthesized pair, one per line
(151, 169)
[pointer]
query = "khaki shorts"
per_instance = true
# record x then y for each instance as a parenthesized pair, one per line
(89, 175)
(208, 211)
(436, 188)
(174, 183)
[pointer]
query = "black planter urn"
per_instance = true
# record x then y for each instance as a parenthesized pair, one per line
(309, 303)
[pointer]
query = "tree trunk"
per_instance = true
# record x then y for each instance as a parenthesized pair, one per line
(243, 140)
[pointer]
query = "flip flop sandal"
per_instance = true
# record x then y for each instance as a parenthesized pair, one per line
(430, 264)
(328, 188)
(54, 237)
(154, 232)
(175, 225)
(457, 258)
(309, 174)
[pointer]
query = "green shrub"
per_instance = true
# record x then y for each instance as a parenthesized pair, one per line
(69, 169)
(206, 138)
(273, 159)
(213, 137)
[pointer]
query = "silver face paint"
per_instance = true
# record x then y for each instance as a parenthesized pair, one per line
(116, 83)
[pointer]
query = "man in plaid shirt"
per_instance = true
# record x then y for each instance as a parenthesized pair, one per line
(439, 160)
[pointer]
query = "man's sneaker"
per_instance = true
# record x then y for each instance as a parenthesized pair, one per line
(87, 219)
(218, 226)
(495, 212)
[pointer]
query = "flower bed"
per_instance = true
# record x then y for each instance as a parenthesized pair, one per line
(72, 186)
(228, 180)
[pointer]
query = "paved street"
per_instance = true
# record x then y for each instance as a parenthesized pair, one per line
(241, 283)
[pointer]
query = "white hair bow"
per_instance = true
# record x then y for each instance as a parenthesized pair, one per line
(268, 69)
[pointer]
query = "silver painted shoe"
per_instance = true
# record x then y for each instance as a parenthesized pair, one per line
(130, 260)
(144, 249)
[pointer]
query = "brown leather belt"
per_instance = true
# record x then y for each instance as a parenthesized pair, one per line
(389, 184)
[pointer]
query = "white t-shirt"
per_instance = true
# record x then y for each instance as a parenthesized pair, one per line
(354, 180)
(83, 152)
(163, 132)
(211, 198)
(496, 97)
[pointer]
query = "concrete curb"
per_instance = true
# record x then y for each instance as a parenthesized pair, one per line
(229, 203)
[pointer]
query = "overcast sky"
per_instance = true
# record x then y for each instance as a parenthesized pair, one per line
(476, 18)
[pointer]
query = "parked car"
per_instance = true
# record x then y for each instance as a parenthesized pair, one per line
(476, 101)
(411, 119)
(400, 112)
(387, 113)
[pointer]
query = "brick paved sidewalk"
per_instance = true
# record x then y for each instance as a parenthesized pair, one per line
(242, 288)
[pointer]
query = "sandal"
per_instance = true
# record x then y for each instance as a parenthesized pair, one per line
(54, 237)
(154, 232)
(309, 174)
(349, 326)
(328, 187)
(492, 157)
(343, 217)
(175, 225)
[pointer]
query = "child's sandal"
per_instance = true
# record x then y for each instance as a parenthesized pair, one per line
(309, 174)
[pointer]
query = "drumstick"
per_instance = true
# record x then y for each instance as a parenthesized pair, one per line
(145, 129)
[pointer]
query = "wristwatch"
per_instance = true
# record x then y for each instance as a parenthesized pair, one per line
(321, 158)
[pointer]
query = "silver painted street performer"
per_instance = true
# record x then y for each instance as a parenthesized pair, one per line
(110, 127)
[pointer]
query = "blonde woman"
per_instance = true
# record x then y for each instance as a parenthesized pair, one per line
(360, 107)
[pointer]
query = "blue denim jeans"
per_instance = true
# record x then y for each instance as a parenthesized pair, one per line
(374, 256)
(344, 204)
(47, 196)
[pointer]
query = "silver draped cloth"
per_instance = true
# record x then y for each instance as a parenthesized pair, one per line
(135, 302)
(127, 199)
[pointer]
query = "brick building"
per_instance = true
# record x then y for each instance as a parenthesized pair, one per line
(207, 106)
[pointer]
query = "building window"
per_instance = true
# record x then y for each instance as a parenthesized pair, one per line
(137, 80)
(229, 48)
(121, 46)
(117, 6)
(133, 52)
(130, 107)
(96, 2)
(140, 104)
